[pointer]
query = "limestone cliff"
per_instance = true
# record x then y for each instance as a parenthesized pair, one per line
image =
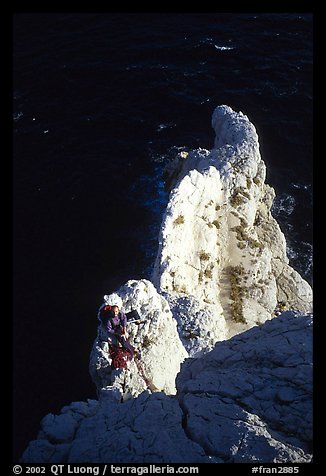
(222, 262)
(231, 383)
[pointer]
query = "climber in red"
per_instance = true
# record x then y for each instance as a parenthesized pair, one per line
(115, 322)
(116, 328)
(120, 349)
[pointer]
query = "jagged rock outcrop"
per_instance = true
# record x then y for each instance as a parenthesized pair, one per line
(248, 400)
(220, 249)
(157, 340)
(220, 270)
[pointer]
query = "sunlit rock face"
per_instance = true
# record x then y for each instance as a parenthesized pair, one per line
(222, 262)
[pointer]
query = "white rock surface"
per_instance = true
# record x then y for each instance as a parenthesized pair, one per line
(219, 246)
(247, 400)
(157, 340)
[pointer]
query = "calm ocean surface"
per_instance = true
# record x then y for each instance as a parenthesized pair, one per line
(101, 103)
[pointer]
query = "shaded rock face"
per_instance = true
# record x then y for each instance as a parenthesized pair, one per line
(157, 340)
(219, 246)
(251, 396)
(247, 400)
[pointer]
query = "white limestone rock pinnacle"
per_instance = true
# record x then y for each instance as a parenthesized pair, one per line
(220, 248)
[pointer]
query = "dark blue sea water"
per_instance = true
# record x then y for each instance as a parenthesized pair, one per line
(101, 103)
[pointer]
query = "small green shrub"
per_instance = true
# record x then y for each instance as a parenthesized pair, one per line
(217, 224)
(203, 256)
(179, 221)
(256, 180)
(236, 293)
(147, 342)
(208, 273)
